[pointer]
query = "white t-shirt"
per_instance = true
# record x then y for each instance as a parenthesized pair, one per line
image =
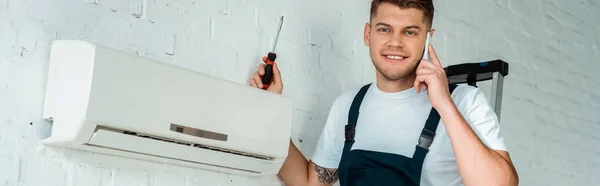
(392, 122)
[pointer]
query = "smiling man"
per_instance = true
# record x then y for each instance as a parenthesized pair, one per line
(410, 127)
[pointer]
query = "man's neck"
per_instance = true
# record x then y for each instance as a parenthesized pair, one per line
(390, 86)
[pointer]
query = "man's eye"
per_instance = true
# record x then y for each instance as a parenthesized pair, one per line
(383, 30)
(410, 32)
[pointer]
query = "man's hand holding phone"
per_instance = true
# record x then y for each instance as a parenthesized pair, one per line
(432, 76)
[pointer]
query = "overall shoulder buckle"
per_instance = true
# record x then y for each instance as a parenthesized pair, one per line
(426, 139)
(350, 132)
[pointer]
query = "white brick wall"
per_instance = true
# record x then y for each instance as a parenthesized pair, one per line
(549, 114)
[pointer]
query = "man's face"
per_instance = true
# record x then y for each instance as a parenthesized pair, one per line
(396, 39)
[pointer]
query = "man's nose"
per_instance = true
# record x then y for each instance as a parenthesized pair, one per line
(395, 40)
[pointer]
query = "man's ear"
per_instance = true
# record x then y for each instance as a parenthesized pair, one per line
(367, 34)
(432, 31)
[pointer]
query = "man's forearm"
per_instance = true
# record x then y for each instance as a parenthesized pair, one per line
(477, 164)
(294, 170)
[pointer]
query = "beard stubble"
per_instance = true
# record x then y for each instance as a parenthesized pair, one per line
(391, 75)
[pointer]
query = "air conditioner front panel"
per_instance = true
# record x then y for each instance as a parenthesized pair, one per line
(134, 94)
(117, 103)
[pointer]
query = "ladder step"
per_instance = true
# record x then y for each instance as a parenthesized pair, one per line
(475, 72)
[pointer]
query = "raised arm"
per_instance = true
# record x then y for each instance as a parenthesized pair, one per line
(296, 170)
(479, 163)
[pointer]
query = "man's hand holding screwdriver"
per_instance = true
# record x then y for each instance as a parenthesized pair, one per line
(276, 85)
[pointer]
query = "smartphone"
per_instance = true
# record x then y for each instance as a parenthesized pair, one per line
(426, 51)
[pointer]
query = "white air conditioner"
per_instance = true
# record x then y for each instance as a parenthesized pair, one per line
(112, 102)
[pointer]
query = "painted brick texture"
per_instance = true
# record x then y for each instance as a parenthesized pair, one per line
(551, 97)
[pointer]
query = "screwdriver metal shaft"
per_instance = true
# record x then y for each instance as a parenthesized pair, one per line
(277, 35)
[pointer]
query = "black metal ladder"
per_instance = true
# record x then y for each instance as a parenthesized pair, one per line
(471, 73)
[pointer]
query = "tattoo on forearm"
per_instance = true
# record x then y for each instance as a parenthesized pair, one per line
(326, 175)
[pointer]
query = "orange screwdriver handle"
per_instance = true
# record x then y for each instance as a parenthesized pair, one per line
(266, 79)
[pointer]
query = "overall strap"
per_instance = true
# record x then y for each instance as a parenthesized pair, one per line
(431, 125)
(353, 116)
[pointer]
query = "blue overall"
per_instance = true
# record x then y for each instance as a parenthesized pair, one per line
(361, 167)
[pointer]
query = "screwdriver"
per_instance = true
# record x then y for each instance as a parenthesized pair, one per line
(266, 79)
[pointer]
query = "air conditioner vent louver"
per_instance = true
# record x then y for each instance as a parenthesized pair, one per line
(191, 144)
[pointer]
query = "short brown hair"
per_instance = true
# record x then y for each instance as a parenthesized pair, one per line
(424, 5)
